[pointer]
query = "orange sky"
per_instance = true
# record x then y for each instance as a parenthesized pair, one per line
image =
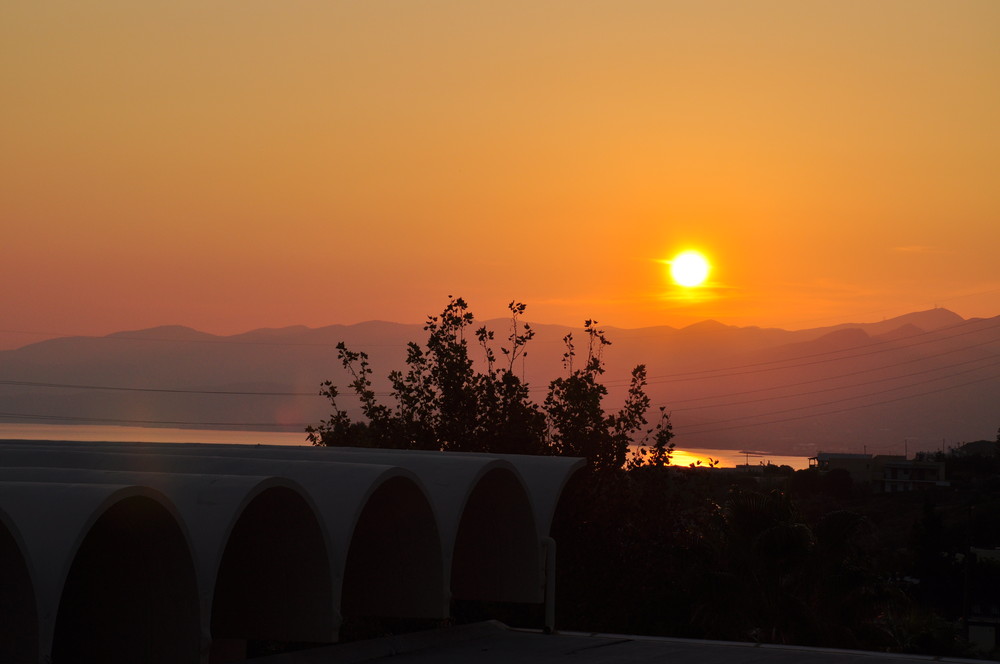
(233, 165)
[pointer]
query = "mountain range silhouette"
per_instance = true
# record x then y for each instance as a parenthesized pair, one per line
(921, 381)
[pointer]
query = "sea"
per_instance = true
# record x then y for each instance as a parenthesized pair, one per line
(683, 456)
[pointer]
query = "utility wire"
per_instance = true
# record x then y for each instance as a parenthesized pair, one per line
(736, 370)
(693, 431)
(852, 398)
(74, 386)
(109, 420)
(691, 376)
(832, 356)
(823, 379)
(831, 412)
(820, 405)
(346, 392)
(842, 387)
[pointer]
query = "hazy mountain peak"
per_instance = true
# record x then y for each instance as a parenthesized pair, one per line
(931, 319)
(925, 321)
(290, 330)
(165, 333)
(709, 325)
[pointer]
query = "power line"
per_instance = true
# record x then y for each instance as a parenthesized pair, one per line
(838, 376)
(828, 389)
(695, 432)
(726, 372)
(852, 398)
(110, 420)
(347, 393)
(831, 412)
(74, 386)
(735, 371)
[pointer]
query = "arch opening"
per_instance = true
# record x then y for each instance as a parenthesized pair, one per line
(497, 555)
(274, 581)
(394, 564)
(131, 593)
(18, 611)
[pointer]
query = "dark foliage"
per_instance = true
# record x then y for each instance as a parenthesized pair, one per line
(795, 557)
(442, 402)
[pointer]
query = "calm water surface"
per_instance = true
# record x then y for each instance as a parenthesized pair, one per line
(92, 432)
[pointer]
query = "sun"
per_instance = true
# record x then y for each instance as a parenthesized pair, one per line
(689, 269)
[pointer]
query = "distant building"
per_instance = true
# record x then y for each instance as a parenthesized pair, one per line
(763, 468)
(911, 475)
(889, 473)
(983, 619)
(858, 466)
(984, 448)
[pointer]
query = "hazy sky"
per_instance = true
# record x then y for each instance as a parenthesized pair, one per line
(233, 165)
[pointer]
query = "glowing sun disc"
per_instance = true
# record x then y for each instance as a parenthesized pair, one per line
(689, 269)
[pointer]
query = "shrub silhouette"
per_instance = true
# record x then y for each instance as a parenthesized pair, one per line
(442, 402)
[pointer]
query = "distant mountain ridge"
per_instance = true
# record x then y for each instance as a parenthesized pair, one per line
(916, 380)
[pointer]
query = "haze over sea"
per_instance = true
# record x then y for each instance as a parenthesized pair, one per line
(105, 433)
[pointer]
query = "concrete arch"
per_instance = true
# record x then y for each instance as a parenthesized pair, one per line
(209, 506)
(545, 478)
(339, 488)
(274, 579)
(131, 591)
(394, 566)
(18, 608)
(388, 533)
(497, 555)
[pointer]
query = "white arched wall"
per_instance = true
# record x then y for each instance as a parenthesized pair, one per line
(18, 610)
(497, 555)
(212, 506)
(130, 594)
(394, 567)
(338, 489)
(274, 579)
(450, 480)
(436, 505)
(59, 520)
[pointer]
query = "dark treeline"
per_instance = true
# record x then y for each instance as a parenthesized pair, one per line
(647, 548)
(793, 558)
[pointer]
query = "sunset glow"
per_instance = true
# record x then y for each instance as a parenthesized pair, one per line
(231, 166)
(682, 458)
